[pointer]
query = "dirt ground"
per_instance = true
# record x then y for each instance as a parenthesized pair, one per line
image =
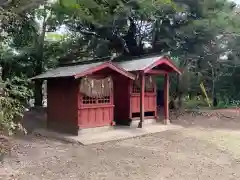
(207, 148)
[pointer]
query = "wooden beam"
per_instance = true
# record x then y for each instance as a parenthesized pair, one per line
(166, 99)
(142, 97)
(156, 72)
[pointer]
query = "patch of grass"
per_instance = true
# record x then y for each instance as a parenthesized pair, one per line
(201, 103)
(224, 104)
(195, 104)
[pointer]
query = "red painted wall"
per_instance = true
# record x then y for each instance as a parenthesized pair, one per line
(95, 116)
(121, 99)
(150, 102)
(62, 104)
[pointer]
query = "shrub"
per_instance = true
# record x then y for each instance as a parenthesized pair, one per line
(12, 101)
(10, 115)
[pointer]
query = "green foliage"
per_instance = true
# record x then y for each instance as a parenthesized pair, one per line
(195, 103)
(227, 103)
(18, 88)
(10, 115)
(12, 106)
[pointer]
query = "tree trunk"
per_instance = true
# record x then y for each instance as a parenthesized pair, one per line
(1, 84)
(214, 93)
(38, 95)
(5, 71)
(179, 93)
(180, 100)
(190, 95)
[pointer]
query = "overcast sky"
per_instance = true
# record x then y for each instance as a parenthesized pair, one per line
(237, 1)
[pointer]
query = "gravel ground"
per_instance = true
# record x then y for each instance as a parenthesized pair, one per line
(202, 150)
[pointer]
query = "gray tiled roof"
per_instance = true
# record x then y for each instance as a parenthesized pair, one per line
(67, 71)
(130, 65)
(138, 64)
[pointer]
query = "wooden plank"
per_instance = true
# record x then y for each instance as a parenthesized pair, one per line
(157, 72)
(142, 95)
(166, 99)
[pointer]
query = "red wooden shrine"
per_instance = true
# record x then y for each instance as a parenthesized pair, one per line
(90, 95)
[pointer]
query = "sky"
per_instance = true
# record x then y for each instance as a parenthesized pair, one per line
(237, 1)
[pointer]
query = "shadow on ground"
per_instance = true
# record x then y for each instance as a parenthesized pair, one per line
(34, 118)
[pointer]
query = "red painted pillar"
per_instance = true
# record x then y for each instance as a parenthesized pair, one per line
(166, 99)
(142, 95)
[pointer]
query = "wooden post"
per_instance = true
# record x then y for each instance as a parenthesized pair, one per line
(166, 99)
(142, 97)
(1, 82)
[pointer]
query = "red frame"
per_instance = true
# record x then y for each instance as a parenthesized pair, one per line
(164, 60)
(149, 69)
(150, 97)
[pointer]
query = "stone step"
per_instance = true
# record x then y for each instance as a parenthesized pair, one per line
(134, 123)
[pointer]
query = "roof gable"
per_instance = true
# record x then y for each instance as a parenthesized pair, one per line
(147, 63)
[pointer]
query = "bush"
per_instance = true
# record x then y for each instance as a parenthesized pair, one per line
(10, 115)
(5, 147)
(226, 103)
(12, 102)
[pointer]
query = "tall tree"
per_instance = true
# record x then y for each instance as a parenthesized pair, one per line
(26, 35)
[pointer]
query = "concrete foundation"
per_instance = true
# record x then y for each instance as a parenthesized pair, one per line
(135, 123)
(93, 136)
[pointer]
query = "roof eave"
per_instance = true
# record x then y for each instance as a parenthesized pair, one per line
(162, 60)
(108, 64)
(46, 78)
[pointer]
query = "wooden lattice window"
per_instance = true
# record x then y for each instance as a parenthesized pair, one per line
(88, 100)
(135, 88)
(95, 100)
(104, 100)
(149, 85)
(96, 91)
